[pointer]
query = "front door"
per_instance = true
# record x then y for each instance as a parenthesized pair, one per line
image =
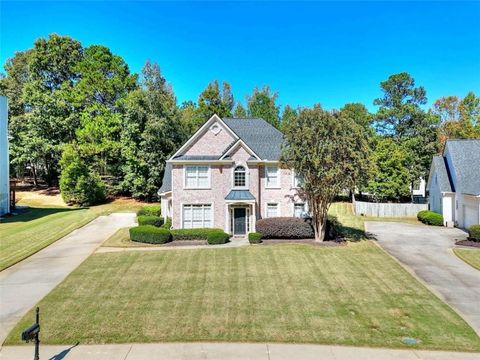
(239, 221)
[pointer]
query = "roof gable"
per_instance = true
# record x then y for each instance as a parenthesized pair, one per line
(465, 157)
(264, 139)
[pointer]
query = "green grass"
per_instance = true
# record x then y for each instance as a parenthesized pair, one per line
(352, 295)
(470, 256)
(25, 234)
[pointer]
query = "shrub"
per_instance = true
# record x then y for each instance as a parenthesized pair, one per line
(79, 185)
(430, 218)
(150, 234)
(150, 220)
(217, 236)
(168, 224)
(474, 232)
(213, 236)
(255, 238)
(295, 228)
(150, 210)
(285, 228)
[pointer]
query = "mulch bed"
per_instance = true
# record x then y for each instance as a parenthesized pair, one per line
(186, 243)
(469, 243)
(326, 243)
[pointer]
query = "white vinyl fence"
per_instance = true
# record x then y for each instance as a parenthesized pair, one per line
(388, 209)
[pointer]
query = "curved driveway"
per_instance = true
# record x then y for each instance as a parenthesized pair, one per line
(427, 250)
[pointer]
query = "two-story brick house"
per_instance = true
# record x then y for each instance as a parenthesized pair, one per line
(228, 175)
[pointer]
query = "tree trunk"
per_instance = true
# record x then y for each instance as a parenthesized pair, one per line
(320, 227)
(34, 171)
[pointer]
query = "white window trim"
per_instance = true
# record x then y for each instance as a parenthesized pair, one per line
(247, 178)
(278, 186)
(212, 221)
(293, 181)
(209, 172)
(299, 203)
(271, 203)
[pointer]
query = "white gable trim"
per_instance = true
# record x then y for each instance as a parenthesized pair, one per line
(200, 131)
(240, 142)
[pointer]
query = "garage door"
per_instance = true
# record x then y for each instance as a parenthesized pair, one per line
(470, 216)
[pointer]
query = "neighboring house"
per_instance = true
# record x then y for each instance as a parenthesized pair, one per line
(228, 175)
(454, 183)
(419, 188)
(4, 162)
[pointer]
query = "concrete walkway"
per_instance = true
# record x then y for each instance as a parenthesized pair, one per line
(233, 243)
(222, 351)
(427, 250)
(26, 283)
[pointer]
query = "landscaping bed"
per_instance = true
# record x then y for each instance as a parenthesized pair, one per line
(469, 243)
(329, 243)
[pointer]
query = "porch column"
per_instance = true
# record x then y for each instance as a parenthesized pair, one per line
(254, 217)
(227, 220)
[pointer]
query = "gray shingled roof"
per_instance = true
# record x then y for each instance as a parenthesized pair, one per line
(260, 136)
(167, 179)
(442, 174)
(197, 157)
(239, 195)
(466, 164)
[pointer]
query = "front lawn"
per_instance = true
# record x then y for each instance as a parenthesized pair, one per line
(41, 225)
(352, 295)
(470, 256)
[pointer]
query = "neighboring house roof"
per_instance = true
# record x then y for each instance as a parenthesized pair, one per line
(239, 195)
(465, 155)
(167, 180)
(264, 139)
(443, 178)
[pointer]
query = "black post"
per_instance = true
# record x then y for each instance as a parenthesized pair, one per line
(37, 340)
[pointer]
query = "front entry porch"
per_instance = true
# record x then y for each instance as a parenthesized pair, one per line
(240, 218)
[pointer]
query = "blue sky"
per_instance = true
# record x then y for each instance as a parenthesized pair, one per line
(309, 52)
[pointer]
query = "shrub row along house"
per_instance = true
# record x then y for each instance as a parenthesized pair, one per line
(454, 183)
(228, 175)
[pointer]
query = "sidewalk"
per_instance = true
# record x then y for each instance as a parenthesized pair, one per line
(224, 351)
(27, 282)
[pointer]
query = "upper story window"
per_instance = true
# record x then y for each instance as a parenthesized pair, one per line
(197, 177)
(240, 177)
(272, 177)
(297, 180)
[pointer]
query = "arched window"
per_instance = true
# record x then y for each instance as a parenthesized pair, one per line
(239, 177)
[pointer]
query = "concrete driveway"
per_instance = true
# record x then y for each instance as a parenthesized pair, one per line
(26, 283)
(427, 250)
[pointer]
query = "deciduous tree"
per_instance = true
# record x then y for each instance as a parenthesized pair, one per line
(262, 104)
(329, 150)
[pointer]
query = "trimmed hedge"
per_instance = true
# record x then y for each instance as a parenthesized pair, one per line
(474, 232)
(294, 228)
(149, 210)
(168, 223)
(150, 234)
(150, 220)
(255, 238)
(213, 236)
(430, 218)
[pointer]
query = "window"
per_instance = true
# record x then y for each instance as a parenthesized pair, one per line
(197, 216)
(272, 210)
(297, 180)
(273, 177)
(239, 177)
(197, 177)
(298, 210)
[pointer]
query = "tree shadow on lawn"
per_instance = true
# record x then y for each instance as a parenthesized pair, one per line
(33, 213)
(353, 234)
